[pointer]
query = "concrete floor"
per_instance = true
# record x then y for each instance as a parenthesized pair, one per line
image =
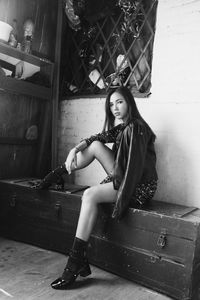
(26, 273)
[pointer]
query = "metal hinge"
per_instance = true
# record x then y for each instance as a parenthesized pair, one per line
(162, 239)
(58, 210)
(13, 200)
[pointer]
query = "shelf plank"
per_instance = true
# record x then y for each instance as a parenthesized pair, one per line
(24, 87)
(55, 90)
(32, 59)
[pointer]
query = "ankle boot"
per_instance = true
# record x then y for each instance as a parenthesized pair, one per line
(76, 265)
(54, 176)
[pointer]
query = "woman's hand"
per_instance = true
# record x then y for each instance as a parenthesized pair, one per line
(71, 161)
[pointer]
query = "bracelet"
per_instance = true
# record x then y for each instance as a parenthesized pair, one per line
(77, 149)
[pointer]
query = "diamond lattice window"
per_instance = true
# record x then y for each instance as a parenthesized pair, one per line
(111, 50)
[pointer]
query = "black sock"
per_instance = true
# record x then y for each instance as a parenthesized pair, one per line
(61, 170)
(76, 259)
(79, 246)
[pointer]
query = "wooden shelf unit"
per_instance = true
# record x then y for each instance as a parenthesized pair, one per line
(33, 100)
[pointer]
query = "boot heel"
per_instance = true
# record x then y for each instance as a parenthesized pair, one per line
(86, 271)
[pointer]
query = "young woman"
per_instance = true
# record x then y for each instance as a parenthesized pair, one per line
(130, 167)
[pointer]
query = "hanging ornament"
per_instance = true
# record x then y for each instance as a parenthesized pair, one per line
(95, 77)
(87, 33)
(128, 7)
(132, 16)
(74, 20)
(79, 7)
(96, 58)
(122, 71)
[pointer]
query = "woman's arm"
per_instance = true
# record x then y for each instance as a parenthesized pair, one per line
(106, 136)
(129, 165)
(71, 161)
(81, 146)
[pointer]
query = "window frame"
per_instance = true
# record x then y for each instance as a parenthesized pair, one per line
(143, 38)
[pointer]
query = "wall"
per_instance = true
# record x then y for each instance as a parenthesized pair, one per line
(172, 110)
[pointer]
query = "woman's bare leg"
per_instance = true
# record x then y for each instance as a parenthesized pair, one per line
(89, 208)
(77, 263)
(98, 151)
(95, 194)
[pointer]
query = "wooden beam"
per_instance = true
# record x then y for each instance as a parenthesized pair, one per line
(56, 85)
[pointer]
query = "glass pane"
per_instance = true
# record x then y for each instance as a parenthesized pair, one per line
(114, 50)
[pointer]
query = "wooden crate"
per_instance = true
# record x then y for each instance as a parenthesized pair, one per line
(158, 247)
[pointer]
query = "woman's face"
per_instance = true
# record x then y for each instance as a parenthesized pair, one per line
(118, 106)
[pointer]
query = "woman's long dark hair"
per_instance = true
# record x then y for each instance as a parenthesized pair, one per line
(132, 107)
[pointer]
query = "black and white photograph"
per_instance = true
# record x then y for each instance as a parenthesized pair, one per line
(99, 149)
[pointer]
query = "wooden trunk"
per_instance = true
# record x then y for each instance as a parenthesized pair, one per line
(158, 246)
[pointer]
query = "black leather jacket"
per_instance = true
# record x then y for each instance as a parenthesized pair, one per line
(135, 163)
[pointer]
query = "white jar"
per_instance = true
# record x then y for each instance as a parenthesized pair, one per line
(5, 30)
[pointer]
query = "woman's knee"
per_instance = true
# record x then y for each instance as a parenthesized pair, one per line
(89, 196)
(96, 146)
(103, 154)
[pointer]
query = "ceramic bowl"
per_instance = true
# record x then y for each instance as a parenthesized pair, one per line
(5, 30)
